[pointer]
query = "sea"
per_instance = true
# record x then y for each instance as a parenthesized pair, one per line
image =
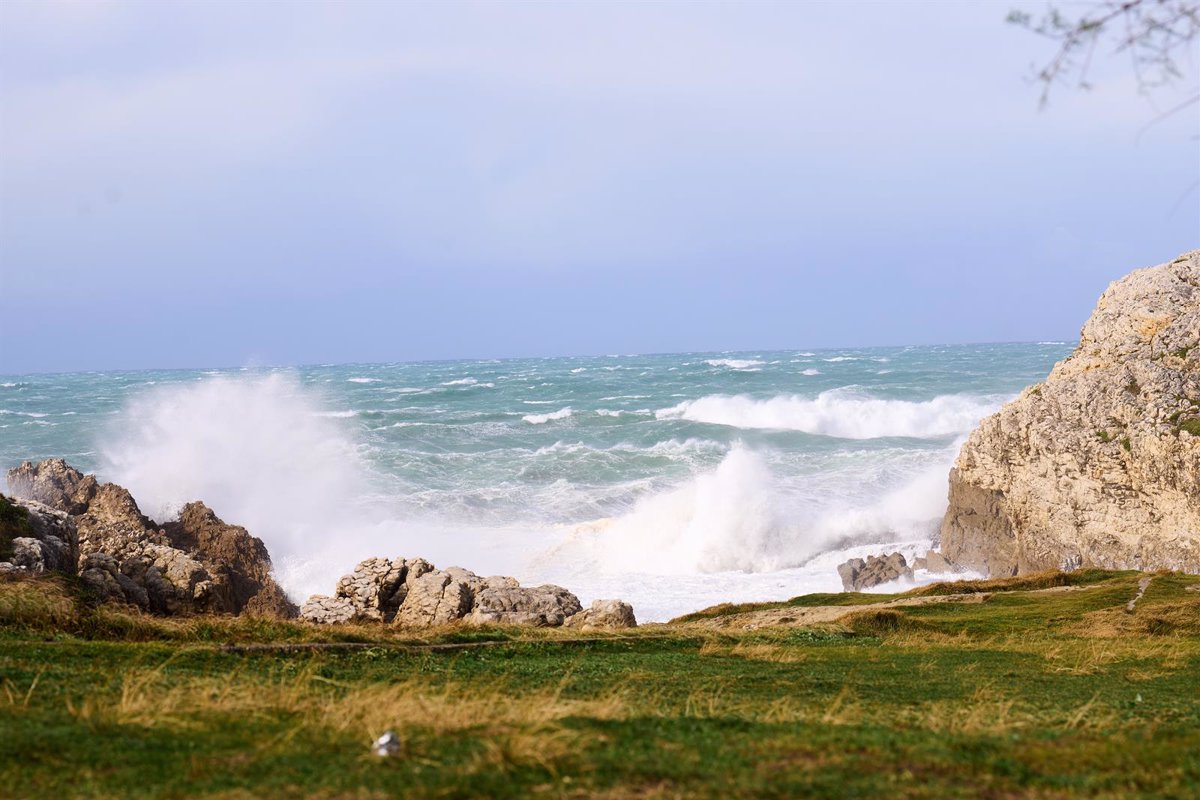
(674, 482)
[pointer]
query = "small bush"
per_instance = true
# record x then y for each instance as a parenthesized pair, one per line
(1191, 426)
(1104, 436)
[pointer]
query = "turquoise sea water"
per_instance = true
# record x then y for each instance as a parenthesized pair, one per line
(671, 480)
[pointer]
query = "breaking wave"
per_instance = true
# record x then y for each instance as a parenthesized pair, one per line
(841, 413)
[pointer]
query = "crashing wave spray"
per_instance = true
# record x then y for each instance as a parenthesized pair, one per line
(260, 451)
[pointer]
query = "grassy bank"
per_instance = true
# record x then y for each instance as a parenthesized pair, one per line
(1046, 687)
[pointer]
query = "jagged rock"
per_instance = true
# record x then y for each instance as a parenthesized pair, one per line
(412, 593)
(36, 537)
(53, 483)
(198, 563)
(376, 587)
(101, 573)
(603, 614)
(114, 524)
(238, 562)
(505, 603)
(327, 610)
(857, 574)
(1100, 464)
(437, 598)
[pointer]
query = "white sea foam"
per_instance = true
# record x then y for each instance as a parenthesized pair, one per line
(836, 359)
(578, 370)
(841, 413)
(461, 382)
(734, 363)
(255, 449)
(34, 414)
(364, 380)
(811, 372)
(540, 419)
(336, 414)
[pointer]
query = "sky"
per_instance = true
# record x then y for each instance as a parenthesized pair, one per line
(232, 184)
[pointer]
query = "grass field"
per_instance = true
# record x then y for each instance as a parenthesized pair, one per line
(1042, 687)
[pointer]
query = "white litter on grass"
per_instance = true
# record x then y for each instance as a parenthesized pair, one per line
(386, 745)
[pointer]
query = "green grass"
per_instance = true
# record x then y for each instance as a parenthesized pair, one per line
(1191, 425)
(1039, 686)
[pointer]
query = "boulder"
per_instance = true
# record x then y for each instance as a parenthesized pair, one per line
(1098, 466)
(858, 575)
(438, 598)
(603, 614)
(509, 604)
(326, 610)
(412, 593)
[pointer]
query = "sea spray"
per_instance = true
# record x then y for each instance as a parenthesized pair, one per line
(672, 482)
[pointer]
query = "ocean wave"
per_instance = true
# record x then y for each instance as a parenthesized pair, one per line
(578, 370)
(735, 363)
(34, 414)
(836, 359)
(840, 413)
(811, 372)
(540, 419)
(364, 380)
(461, 382)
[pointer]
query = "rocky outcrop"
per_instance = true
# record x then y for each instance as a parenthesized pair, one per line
(603, 614)
(197, 563)
(53, 483)
(35, 537)
(1100, 464)
(858, 574)
(412, 593)
(238, 562)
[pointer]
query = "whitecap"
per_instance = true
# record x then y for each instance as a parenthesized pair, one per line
(735, 363)
(811, 372)
(364, 380)
(841, 413)
(539, 419)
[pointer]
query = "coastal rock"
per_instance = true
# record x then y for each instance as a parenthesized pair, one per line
(1099, 466)
(197, 563)
(603, 614)
(325, 610)
(412, 593)
(35, 537)
(53, 483)
(238, 562)
(935, 562)
(437, 598)
(858, 574)
(541, 606)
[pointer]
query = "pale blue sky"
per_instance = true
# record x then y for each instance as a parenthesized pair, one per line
(239, 183)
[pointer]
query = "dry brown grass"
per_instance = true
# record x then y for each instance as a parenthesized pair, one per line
(755, 651)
